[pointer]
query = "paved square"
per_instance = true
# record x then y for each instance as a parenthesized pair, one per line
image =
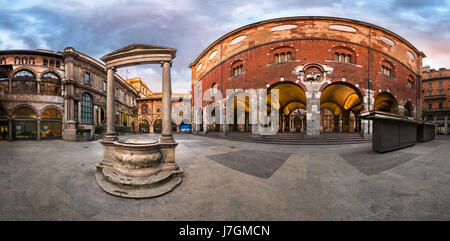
(54, 180)
(257, 163)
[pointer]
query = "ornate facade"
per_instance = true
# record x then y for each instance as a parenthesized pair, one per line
(44, 94)
(327, 71)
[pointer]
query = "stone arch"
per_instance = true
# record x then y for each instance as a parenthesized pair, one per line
(51, 106)
(386, 102)
(53, 72)
(346, 51)
(144, 125)
(288, 91)
(157, 125)
(340, 105)
(409, 109)
(34, 72)
(48, 85)
(349, 82)
(14, 109)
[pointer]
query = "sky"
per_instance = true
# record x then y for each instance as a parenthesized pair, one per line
(98, 27)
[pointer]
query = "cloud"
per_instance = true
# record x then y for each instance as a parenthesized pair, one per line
(99, 27)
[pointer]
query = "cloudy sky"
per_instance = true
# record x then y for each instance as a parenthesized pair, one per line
(97, 27)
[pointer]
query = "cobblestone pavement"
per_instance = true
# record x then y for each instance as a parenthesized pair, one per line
(229, 180)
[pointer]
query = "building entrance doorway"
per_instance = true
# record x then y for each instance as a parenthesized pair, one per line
(340, 105)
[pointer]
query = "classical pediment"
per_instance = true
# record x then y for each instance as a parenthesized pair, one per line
(135, 54)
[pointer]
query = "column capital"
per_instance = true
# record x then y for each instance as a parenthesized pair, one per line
(110, 68)
(166, 61)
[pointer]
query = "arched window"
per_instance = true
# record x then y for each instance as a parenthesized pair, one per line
(24, 60)
(32, 61)
(58, 64)
(282, 57)
(52, 63)
(17, 60)
(3, 61)
(45, 62)
(24, 82)
(50, 84)
(158, 108)
(237, 68)
(387, 69)
(144, 109)
(87, 109)
(344, 54)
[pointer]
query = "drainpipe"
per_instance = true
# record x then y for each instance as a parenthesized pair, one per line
(368, 79)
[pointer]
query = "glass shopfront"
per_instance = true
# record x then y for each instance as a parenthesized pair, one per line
(3, 125)
(24, 129)
(51, 124)
(24, 124)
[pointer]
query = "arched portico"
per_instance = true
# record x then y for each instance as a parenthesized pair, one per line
(340, 106)
(386, 102)
(291, 103)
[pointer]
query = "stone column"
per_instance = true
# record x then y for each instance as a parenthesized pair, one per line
(166, 135)
(95, 114)
(313, 112)
(79, 112)
(223, 118)
(38, 85)
(38, 129)
(10, 129)
(110, 128)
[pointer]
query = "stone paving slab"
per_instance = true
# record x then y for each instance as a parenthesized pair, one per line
(54, 180)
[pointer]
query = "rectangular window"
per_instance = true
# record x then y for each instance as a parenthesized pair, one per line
(75, 111)
(440, 105)
(87, 78)
(441, 92)
(87, 109)
(430, 93)
(117, 92)
(430, 106)
(430, 85)
(440, 83)
(104, 86)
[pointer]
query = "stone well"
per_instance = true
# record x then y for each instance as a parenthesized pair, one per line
(138, 168)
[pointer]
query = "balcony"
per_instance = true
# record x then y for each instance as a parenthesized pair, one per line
(437, 110)
(435, 97)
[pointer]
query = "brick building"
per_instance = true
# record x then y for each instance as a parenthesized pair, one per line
(327, 71)
(436, 100)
